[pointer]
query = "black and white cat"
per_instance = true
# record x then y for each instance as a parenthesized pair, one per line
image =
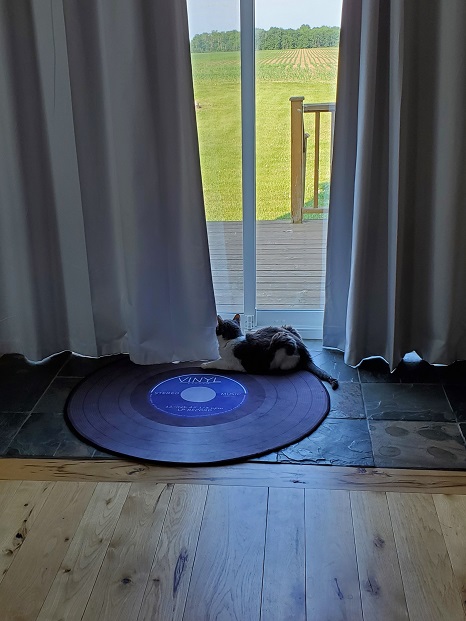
(264, 351)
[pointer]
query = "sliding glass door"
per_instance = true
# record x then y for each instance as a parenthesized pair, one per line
(216, 66)
(266, 181)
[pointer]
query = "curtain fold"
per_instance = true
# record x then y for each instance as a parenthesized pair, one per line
(103, 242)
(396, 257)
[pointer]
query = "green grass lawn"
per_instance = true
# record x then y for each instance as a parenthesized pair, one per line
(217, 90)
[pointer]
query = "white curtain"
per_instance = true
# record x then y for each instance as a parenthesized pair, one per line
(396, 265)
(103, 244)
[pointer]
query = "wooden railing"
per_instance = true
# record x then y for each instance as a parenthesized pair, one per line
(299, 140)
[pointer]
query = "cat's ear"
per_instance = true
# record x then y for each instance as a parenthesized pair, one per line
(237, 318)
(219, 320)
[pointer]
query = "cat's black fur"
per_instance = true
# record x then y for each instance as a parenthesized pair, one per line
(258, 348)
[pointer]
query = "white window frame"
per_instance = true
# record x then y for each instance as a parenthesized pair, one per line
(308, 322)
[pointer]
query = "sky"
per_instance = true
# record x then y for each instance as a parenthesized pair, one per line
(208, 15)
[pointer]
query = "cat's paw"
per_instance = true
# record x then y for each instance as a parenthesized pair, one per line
(205, 365)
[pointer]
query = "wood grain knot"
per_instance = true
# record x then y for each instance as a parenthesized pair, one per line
(339, 593)
(126, 580)
(179, 569)
(371, 586)
(136, 470)
(379, 542)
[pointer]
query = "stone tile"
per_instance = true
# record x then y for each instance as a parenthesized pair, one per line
(332, 362)
(456, 394)
(101, 454)
(24, 382)
(82, 366)
(376, 370)
(10, 424)
(339, 442)
(314, 346)
(462, 427)
(346, 401)
(54, 399)
(43, 434)
(270, 457)
(406, 402)
(414, 444)
(74, 447)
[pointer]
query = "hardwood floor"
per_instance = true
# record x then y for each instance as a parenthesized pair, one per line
(125, 541)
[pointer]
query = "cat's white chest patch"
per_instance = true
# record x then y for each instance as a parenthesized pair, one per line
(226, 350)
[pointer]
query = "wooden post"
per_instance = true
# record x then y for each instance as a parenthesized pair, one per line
(297, 154)
(316, 159)
(306, 136)
(332, 131)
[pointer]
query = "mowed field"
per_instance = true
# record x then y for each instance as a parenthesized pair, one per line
(280, 74)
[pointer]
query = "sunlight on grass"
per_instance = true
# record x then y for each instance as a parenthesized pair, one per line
(281, 74)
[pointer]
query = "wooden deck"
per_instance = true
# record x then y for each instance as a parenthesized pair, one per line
(290, 264)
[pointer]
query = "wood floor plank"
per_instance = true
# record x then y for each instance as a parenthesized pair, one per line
(256, 474)
(17, 519)
(284, 583)
(70, 591)
(7, 490)
(227, 573)
(120, 584)
(429, 583)
(142, 572)
(332, 581)
(27, 582)
(380, 581)
(167, 586)
(451, 511)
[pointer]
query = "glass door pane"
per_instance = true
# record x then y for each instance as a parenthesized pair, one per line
(215, 55)
(275, 264)
(296, 57)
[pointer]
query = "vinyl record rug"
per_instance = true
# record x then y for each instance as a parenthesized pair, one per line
(181, 414)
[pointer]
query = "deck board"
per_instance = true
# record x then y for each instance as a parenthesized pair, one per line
(290, 264)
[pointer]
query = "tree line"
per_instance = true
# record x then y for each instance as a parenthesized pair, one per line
(271, 39)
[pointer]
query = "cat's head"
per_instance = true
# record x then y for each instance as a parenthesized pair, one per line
(228, 329)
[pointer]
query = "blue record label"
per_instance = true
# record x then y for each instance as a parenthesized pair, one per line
(197, 395)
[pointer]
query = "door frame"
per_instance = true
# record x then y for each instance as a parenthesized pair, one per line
(308, 322)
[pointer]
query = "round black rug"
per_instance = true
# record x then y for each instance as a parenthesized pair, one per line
(179, 413)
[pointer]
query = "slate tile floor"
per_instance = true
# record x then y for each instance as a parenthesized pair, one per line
(412, 418)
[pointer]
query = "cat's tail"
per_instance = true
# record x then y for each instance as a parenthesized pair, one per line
(321, 374)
